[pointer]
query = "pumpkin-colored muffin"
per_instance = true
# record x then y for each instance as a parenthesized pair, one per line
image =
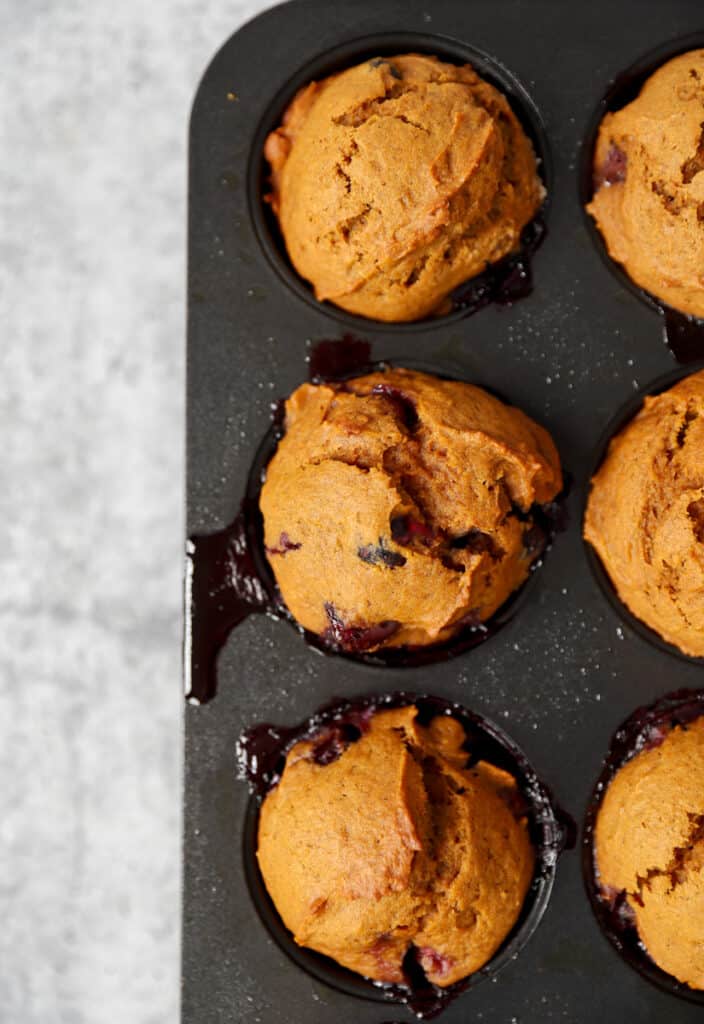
(392, 844)
(649, 186)
(645, 514)
(398, 507)
(397, 180)
(649, 845)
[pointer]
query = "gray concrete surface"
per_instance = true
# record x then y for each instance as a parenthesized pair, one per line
(95, 101)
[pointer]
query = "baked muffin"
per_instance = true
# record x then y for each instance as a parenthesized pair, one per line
(397, 180)
(649, 187)
(645, 514)
(649, 849)
(398, 508)
(391, 846)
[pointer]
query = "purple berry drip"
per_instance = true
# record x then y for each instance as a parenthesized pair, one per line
(356, 638)
(613, 169)
(404, 406)
(433, 962)
(285, 544)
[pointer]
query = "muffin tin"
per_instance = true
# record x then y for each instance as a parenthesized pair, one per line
(569, 664)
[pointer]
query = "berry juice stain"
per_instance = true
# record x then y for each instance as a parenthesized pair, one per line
(225, 581)
(339, 359)
(507, 281)
(223, 587)
(684, 335)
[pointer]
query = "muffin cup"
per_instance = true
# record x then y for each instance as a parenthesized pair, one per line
(504, 282)
(631, 737)
(684, 334)
(550, 518)
(261, 756)
(617, 424)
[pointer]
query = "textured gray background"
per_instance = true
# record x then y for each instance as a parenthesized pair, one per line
(95, 102)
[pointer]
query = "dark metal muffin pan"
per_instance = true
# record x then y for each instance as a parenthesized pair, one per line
(569, 666)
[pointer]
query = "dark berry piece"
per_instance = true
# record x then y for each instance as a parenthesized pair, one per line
(359, 637)
(451, 564)
(470, 619)
(695, 165)
(331, 745)
(406, 529)
(654, 735)
(478, 543)
(393, 70)
(613, 169)
(330, 742)
(617, 900)
(379, 554)
(404, 407)
(285, 544)
(433, 962)
(534, 541)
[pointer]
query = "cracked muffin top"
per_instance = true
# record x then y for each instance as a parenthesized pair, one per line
(649, 186)
(399, 508)
(649, 846)
(397, 180)
(645, 514)
(390, 847)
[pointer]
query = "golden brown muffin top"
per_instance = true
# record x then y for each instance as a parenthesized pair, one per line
(395, 844)
(649, 204)
(645, 514)
(400, 498)
(649, 841)
(398, 179)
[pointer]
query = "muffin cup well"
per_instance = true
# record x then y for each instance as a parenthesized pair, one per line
(504, 282)
(549, 518)
(625, 414)
(261, 756)
(685, 334)
(632, 736)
